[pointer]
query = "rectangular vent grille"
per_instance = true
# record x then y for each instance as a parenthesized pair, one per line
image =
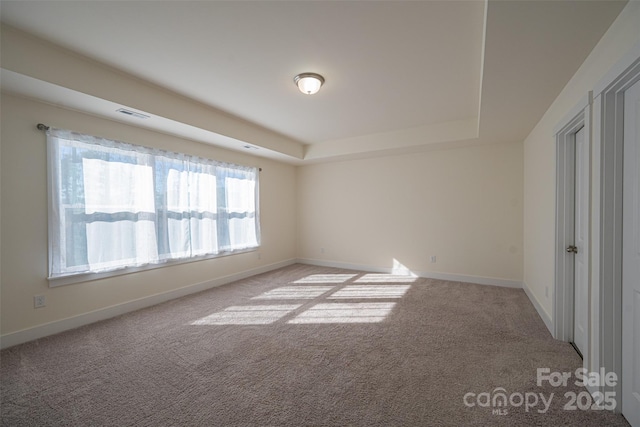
(132, 113)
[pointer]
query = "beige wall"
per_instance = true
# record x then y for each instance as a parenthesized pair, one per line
(484, 212)
(539, 155)
(24, 219)
(36, 58)
(462, 205)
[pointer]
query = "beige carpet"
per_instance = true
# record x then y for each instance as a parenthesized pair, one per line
(301, 346)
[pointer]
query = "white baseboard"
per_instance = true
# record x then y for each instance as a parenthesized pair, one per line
(58, 326)
(479, 280)
(543, 314)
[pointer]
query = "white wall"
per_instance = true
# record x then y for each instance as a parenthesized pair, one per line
(467, 206)
(539, 156)
(36, 58)
(24, 220)
(462, 205)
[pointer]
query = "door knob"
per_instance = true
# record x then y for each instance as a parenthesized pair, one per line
(572, 249)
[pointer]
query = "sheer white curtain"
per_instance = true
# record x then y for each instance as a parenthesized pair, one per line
(203, 214)
(114, 205)
(240, 202)
(118, 212)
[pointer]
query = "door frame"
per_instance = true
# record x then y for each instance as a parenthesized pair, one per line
(602, 114)
(563, 297)
(607, 182)
(563, 301)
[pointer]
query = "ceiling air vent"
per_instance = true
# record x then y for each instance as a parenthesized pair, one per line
(132, 113)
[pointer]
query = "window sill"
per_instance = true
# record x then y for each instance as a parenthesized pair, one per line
(88, 277)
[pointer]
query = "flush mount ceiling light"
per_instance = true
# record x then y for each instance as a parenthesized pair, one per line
(309, 83)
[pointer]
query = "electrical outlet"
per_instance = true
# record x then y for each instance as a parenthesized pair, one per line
(433, 259)
(259, 255)
(546, 291)
(39, 301)
(321, 250)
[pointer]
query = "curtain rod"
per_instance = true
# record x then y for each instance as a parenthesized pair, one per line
(40, 126)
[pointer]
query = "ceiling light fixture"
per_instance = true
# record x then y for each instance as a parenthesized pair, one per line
(309, 83)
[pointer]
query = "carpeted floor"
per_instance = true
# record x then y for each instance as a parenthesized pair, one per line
(303, 346)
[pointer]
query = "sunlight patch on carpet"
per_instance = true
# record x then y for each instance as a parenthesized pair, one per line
(295, 292)
(326, 278)
(385, 278)
(370, 291)
(248, 315)
(362, 312)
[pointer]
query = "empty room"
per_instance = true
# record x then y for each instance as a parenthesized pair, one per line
(320, 213)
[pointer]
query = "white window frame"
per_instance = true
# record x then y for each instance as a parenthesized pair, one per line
(84, 276)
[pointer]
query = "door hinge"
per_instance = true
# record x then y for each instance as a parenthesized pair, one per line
(572, 249)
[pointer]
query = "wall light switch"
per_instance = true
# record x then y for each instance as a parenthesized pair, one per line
(433, 259)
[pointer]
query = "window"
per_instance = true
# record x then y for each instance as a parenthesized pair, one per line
(114, 205)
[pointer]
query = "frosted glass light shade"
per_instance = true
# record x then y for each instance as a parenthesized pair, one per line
(309, 83)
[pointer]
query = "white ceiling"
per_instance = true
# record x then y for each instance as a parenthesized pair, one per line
(398, 74)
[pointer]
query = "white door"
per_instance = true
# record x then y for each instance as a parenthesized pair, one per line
(581, 267)
(631, 259)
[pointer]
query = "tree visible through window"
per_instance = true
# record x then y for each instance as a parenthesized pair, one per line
(114, 205)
